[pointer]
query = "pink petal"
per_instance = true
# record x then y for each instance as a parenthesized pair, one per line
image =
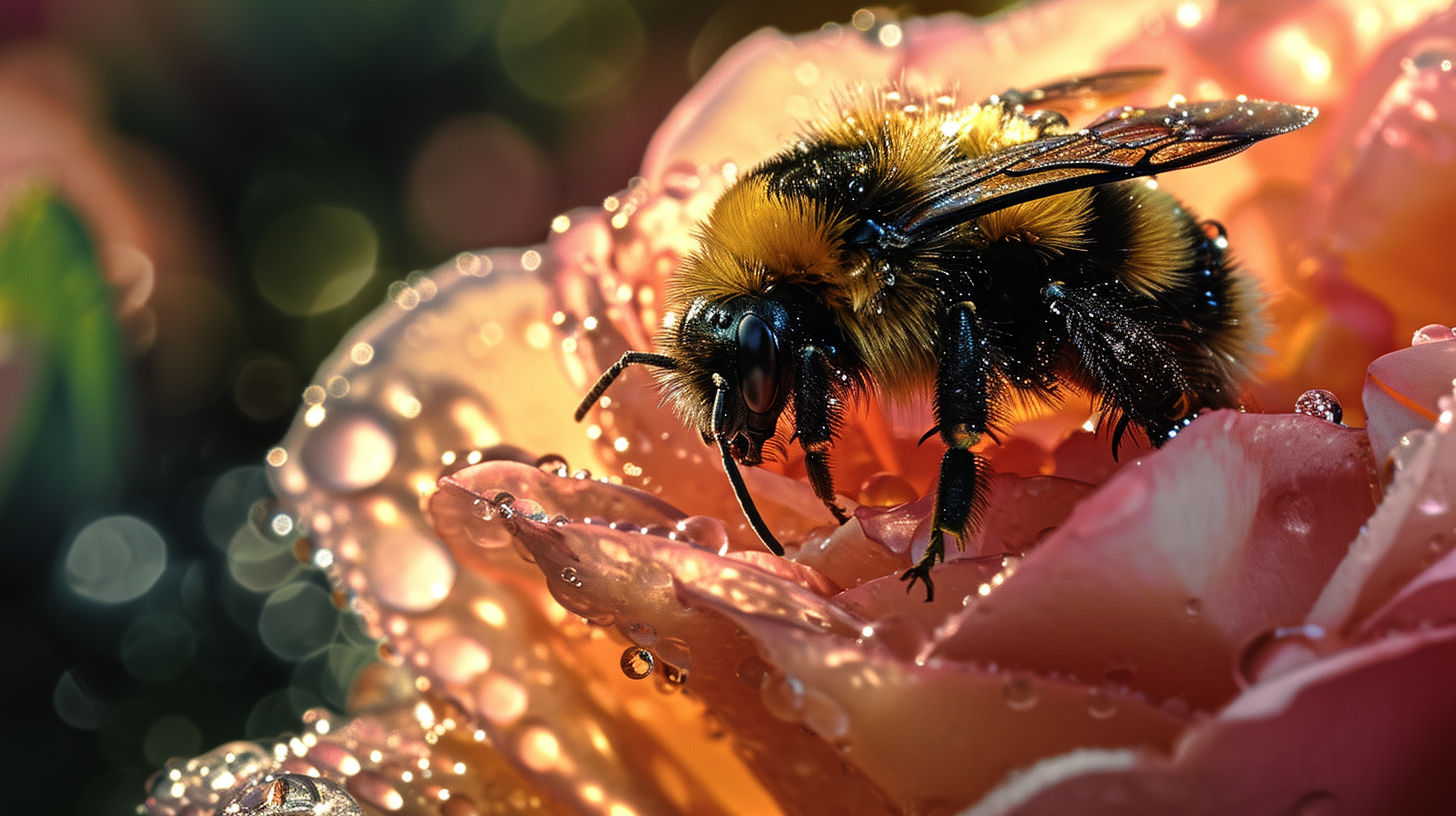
(1369, 730)
(1411, 528)
(1401, 391)
(1158, 579)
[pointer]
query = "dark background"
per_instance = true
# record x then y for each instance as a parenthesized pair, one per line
(286, 127)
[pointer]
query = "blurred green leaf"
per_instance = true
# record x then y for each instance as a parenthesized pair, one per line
(63, 407)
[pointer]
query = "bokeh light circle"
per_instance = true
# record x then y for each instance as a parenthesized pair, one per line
(115, 559)
(570, 51)
(298, 620)
(315, 258)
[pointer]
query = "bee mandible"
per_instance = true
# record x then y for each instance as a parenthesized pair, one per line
(979, 252)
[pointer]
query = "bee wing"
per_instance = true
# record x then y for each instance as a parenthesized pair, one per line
(1125, 143)
(1077, 93)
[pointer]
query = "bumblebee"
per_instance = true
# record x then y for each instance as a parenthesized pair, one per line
(981, 252)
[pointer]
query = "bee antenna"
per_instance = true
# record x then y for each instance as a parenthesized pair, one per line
(611, 374)
(740, 490)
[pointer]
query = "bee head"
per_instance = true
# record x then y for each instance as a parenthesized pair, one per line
(738, 348)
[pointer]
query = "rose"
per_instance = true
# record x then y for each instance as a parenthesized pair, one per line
(1211, 630)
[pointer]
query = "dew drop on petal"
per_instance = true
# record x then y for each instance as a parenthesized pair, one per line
(1276, 651)
(409, 571)
(704, 532)
(753, 671)
(675, 651)
(783, 696)
(642, 634)
(349, 452)
(1194, 607)
(824, 715)
(1020, 692)
(500, 698)
(1101, 703)
(637, 663)
(1433, 333)
(1318, 402)
(886, 490)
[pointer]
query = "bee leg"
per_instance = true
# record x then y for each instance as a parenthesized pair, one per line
(1125, 352)
(817, 413)
(961, 409)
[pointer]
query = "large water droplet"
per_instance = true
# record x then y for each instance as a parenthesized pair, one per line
(753, 671)
(1020, 692)
(349, 452)
(409, 571)
(704, 532)
(642, 634)
(675, 651)
(1278, 650)
(824, 715)
(1101, 703)
(783, 696)
(637, 663)
(1318, 402)
(1433, 333)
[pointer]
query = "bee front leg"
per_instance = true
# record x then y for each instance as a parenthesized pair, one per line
(818, 409)
(961, 411)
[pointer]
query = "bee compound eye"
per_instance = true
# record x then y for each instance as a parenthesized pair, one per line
(758, 363)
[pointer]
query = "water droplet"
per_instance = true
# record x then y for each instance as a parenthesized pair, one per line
(1278, 650)
(349, 452)
(553, 463)
(1101, 703)
(671, 678)
(1318, 402)
(1318, 803)
(642, 634)
(824, 715)
(637, 662)
(1405, 450)
(886, 490)
(752, 671)
(1194, 607)
(1021, 692)
(703, 532)
(675, 651)
(783, 696)
(1432, 505)
(1433, 333)
(568, 574)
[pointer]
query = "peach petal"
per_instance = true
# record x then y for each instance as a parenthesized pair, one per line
(1402, 389)
(1371, 728)
(1158, 580)
(638, 582)
(1411, 528)
(888, 716)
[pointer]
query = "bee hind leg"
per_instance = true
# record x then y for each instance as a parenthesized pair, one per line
(818, 408)
(961, 410)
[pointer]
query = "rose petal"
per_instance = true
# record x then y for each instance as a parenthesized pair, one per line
(635, 580)
(891, 717)
(1411, 528)
(1370, 730)
(1402, 389)
(1158, 580)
